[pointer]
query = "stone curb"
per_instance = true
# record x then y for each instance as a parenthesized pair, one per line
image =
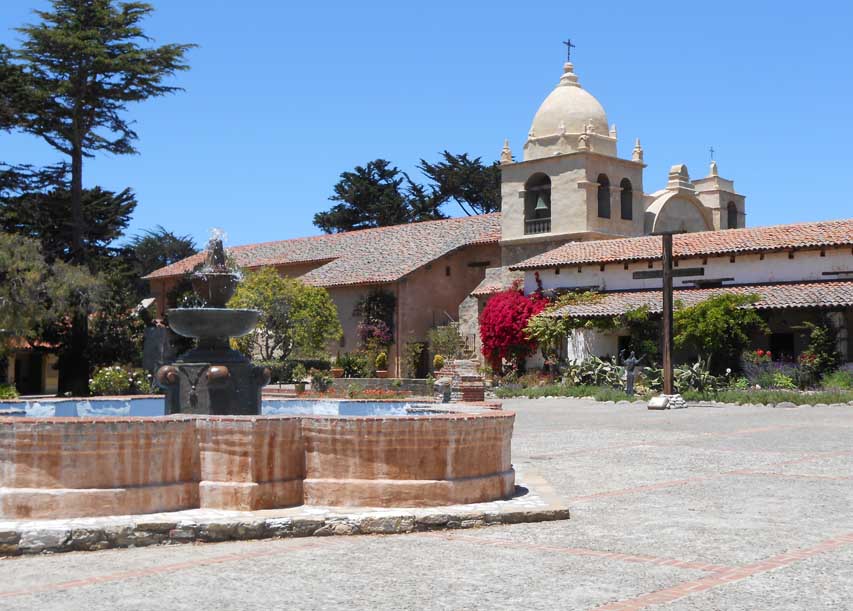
(144, 533)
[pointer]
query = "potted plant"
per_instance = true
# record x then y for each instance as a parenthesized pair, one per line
(320, 381)
(437, 362)
(299, 376)
(337, 371)
(381, 364)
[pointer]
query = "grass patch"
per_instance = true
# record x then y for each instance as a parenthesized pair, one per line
(740, 397)
(599, 393)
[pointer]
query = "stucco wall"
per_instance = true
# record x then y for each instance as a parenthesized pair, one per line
(746, 269)
(582, 343)
(429, 298)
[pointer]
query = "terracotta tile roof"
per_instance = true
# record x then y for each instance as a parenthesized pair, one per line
(487, 287)
(832, 294)
(700, 243)
(497, 279)
(367, 256)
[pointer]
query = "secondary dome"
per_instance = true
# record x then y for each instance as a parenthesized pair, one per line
(568, 113)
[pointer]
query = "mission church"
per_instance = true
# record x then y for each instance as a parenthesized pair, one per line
(574, 216)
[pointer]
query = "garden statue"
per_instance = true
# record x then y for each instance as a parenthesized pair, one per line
(630, 365)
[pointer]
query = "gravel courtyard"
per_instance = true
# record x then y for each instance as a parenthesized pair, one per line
(698, 509)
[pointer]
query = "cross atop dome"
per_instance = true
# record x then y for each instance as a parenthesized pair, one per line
(569, 47)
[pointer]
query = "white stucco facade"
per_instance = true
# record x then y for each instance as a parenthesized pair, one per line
(801, 266)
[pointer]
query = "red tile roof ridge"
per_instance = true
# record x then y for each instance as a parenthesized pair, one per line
(321, 236)
(713, 242)
(300, 252)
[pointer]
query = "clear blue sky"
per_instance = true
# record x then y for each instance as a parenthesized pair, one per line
(284, 96)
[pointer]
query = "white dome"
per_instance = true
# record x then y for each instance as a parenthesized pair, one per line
(569, 110)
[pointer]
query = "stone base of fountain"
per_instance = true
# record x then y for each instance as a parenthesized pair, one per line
(232, 388)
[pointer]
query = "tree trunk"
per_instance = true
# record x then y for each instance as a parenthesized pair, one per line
(74, 374)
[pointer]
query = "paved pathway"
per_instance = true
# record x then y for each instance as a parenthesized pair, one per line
(698, 509)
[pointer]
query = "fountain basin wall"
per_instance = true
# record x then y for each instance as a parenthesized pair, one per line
(74, 467)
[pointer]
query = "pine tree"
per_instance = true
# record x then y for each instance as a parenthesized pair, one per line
(472, 185)
(376, 195)
(70, 84)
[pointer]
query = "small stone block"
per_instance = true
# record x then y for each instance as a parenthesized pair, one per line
(661, 402)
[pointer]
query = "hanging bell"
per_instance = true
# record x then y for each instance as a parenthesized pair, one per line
(541, 206)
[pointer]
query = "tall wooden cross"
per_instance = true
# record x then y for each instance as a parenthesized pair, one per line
(712, 153)
(569, 47)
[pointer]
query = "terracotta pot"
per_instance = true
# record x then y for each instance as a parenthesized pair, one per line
(381, 373)
(337, 372)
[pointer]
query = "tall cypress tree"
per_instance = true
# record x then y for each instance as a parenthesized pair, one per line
(71, 82)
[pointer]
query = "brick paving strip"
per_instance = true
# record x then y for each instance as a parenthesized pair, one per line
(158, 570)
(593, 553)
(685, 589)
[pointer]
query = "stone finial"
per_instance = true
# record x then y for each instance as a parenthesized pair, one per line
(713, 171)
(679, 177)
(613, 131)
(562, 128)
(637, 155)
(590, 127)
(531, 134)
(583, 142)
(569, 78)
(506, 154)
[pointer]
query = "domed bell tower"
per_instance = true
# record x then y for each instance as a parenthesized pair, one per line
(571, 185)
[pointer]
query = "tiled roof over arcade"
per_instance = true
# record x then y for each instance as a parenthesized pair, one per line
(834, 294)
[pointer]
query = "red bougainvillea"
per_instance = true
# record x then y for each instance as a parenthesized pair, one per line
(502, 324)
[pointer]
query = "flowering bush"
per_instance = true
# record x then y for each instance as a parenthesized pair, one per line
(437, 362)
(503, 323)
(120, 380)
(374, 334)
(757, 357)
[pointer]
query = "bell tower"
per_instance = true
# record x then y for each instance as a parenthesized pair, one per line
(571, 185)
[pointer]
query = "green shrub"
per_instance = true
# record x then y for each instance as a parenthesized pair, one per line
(841, 379)
(283, 372)
(354, 390)
(438, 362)
(411, 358)
(783, 382)
(741, 397)
(741, 384)
(381, 362)
(300, 374)
(821, 356)
(446, 340)
(593, 371)
(320, 380)
(599, 393)
(354, 365)
(120, 380)
(7, 391)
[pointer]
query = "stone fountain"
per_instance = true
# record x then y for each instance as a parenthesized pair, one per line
(212, 378)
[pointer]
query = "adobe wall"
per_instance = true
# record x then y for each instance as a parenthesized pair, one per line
(429, 297)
